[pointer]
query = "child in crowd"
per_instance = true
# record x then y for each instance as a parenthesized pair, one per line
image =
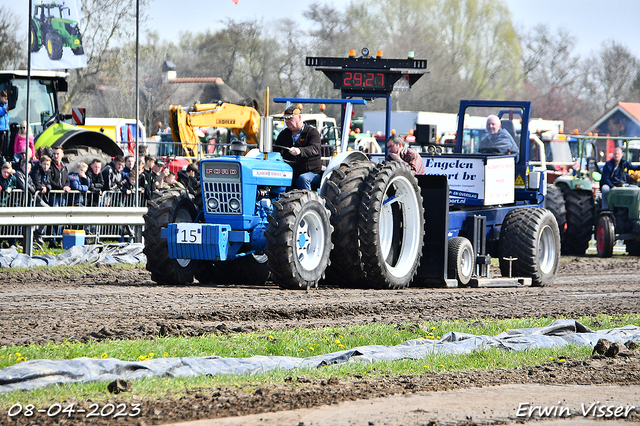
(79, 182)
(7, 184)
(21, 142)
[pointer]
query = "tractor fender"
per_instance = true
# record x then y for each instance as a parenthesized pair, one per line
(341, 158)
(69, 136)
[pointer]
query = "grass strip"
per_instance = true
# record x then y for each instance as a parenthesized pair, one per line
(298, 342)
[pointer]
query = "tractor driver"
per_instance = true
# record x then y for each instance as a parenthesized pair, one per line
(499, 140)
(614, 173)
(301, 144)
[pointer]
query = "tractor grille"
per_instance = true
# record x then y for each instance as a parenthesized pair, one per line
(223, 193)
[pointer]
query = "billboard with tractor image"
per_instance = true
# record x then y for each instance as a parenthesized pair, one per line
(55, 39)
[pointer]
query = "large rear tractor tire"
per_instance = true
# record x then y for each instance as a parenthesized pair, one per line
(299, 239)
(605, 236)
(86, 154)
(174, 206)
(531, 236)
(554, 202)
(391, 226)
(53, 43)
(579, 228)
(461, 260)
(344, 192)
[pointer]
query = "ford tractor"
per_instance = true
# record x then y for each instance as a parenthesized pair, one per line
(54, 32)
(247, 224)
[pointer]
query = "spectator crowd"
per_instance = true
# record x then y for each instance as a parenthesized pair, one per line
(50, 183)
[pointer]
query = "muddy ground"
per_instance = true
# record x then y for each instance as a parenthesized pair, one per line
(108, 303)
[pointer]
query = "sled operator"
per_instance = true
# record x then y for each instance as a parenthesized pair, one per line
(499, 140)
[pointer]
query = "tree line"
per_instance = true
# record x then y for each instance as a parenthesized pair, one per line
(473, 49)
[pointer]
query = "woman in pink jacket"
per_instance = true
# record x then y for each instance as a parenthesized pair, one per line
(21, 142)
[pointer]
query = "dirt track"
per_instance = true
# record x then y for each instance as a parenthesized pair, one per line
(41, 306)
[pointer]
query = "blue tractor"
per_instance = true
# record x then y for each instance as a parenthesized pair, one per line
(247, 225)
(372, 223)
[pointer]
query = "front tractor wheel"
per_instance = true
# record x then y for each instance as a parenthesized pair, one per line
(530, 245)
(605, 236)
(174, 206)
(53, 42)
(391, 226)
(299, 240)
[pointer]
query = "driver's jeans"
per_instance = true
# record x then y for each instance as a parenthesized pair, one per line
(605, 196)
(309, 180)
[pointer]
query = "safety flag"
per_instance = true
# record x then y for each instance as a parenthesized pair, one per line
(54, 32)
(235, 1)
(132, 140)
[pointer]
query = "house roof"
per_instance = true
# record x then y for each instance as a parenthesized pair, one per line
(629, 109)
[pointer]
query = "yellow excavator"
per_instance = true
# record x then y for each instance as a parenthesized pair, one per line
(237, 118)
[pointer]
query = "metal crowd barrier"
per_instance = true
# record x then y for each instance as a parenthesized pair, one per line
(94, 233)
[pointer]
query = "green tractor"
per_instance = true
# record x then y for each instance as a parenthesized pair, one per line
(578, 194)
(46, 121)
(54, 32)
(621, 221)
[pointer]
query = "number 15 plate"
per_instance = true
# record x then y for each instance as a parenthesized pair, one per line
(189, 233)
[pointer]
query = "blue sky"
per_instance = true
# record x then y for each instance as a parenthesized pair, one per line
(590, 21)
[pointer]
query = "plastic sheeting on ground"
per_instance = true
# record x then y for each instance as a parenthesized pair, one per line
(99, 253)
(38, 373)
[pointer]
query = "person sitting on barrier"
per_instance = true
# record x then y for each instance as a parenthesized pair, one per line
(79, 182)
(499, 140)
(112, 174)
(399, 152)
(190, 178)
(41, 176)
(96, 183)
(7, 184)
(301, 147)
(615, 173)
(171, 182)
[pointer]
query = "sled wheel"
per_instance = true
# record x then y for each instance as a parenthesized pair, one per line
(174, 206)
(298, 239)
(344, 192)
(461, 260)
(605, 236)
(391, 226)
(530, 236)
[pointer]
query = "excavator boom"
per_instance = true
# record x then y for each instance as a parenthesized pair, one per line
(237, 118)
